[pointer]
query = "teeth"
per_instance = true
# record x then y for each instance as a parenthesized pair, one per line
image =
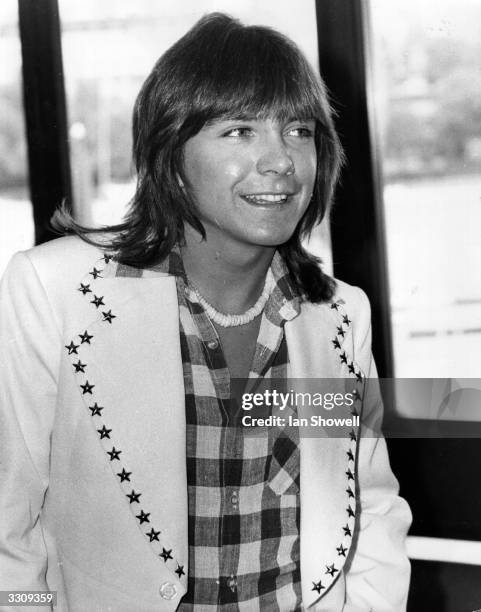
(266, 197)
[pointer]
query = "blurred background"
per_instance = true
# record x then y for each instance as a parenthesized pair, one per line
(412, 189)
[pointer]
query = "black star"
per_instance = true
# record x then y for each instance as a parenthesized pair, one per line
(98, 301)
(335, 306)
(350, 511)
(104, 432)
(318, 586)
(180, 570)
(123, 475)
(349, 475)
(351, 368)
(350, 455)
(85, 337)
(349, 492)
(134, 497)
(143, 517)
(341, 550)
(352, 435)
(96, 409)
(114, 453)
(345, 320)
(108, 316)
(79, 366)
(85, 288)
(331, 569)
(359, 376)
(72, 348)
(340, 331)
(107, 258)
(165, 554)
(87, 388)
(336, 343)
(347, 531)
(153, 535)
(344, 357)
(95, 273)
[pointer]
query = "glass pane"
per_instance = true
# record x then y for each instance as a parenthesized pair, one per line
(427, 92)
(108, 49)
(16, 220)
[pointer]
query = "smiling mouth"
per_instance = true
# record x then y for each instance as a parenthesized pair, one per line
(266, 198)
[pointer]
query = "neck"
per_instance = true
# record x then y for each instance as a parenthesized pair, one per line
(230, 277)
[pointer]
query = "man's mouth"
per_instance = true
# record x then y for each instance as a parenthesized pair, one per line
(266, 198)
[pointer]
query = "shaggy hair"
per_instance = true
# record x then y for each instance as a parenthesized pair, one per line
(220, 69)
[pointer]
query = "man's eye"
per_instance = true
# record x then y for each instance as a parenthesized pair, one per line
(301, 132)
(238, 132)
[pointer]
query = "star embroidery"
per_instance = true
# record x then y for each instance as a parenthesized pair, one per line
(104, 433)
(153, 535)
(108, 316)
(165, 554)
(72, 348)
(143, 517)
(96, 409)
(107, 258)
(351, 368)
(79, 366)
(85, 337)
(344, 357)
(349, 492)
(350, 511)
(318, 586)
(346, 530)
(345, 320)
(359, 376)
(123, 475)
(134, 497)
(349, 475)
(114, 454)
(335, 306)
(340, 331)
(95, 273)
(336, 344)
(352, 435)
(87, 388)
(350, 455)
(84, 288)
(98, 301)
(341, 550)
(180, 570)
(331, 569)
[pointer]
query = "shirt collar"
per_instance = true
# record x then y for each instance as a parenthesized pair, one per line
(283, 304)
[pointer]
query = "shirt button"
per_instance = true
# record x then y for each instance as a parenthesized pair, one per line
(212, 344)
(168, 590)
(232, 583)
(234, 498)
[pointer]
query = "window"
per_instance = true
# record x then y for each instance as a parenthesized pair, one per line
(427, 92)
(16, 220)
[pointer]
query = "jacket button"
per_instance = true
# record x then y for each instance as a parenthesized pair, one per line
(212, 344)
(168, 590)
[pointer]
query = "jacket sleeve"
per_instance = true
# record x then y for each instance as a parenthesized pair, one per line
(378, 577)
(29, 356)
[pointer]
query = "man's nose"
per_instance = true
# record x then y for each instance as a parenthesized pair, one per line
(274, 157)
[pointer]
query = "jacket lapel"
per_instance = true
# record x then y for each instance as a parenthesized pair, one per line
(130, 379)
(317, 339)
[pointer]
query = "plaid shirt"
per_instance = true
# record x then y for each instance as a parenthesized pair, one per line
(243, 490)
